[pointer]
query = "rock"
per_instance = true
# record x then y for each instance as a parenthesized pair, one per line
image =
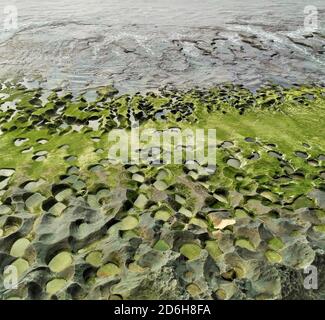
(213, 249)
(22, 266)
(61, 261)
(19, 247)
(108, 270)
(273, 256)
(319, 197)
(161, 245)
(128, 223)
(190, 251)
(246, 244)
(95, 258)
(141, 201)
(55, 285)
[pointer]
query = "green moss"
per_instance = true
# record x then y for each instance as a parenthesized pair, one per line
(320, 228)
(162, 215)
(55, 285)
(190, 251)
(95, 258)
(276, 244)
(22, 265)
(66, 182)
(107, 270)
(273, 256)
(213, 249)
(19, 247)
(161, 245)
(245, 243)
(128, 223)
(61, 261)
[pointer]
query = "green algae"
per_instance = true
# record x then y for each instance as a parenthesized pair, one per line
(213, 249)
(55, 285)
(60, 262)
(128, 223)
(65, 205)
(273, 256)
(95, 258)
(19, 247)
(107, 270)
(21, 266)
(161, 245)
(190, 251)
(246, 244)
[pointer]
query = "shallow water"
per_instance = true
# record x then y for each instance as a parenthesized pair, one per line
(142, 44)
